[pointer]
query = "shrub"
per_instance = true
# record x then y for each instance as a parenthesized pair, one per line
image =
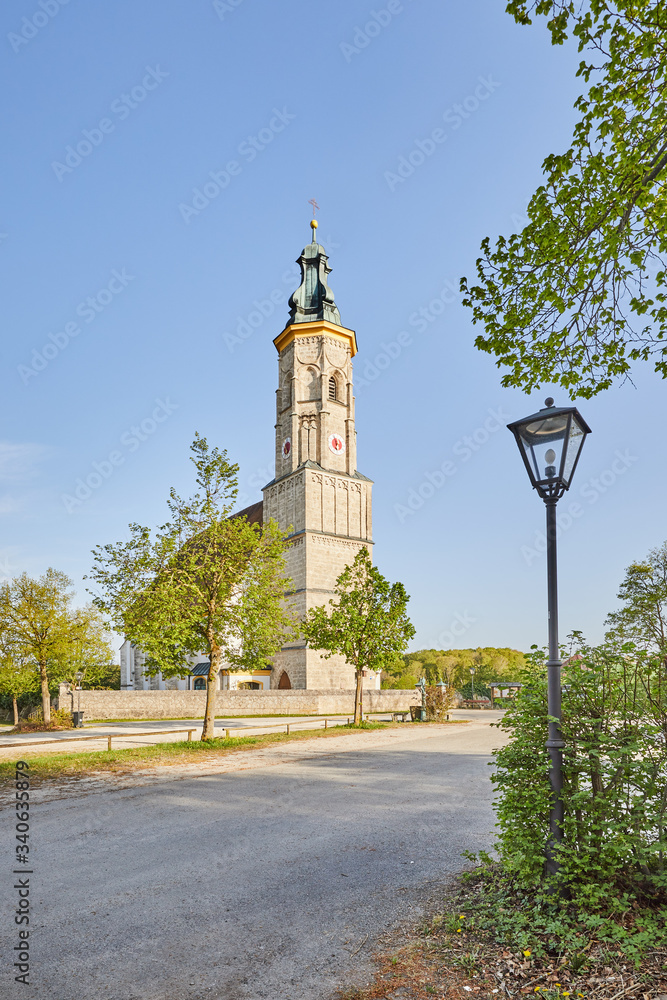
(438, 703)
(614, 851)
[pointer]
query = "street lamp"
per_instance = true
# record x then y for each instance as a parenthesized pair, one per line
(472, 682)
(421, 686)
(550, 442)
(79, 678)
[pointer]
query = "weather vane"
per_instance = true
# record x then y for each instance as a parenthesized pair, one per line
(314, 204)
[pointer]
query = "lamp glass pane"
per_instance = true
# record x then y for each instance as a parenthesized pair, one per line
(529, 455)
(542, 438)
(573, 447)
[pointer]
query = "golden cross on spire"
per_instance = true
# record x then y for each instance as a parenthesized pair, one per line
(313, 221)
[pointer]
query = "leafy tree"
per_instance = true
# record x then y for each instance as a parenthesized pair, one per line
(643, 616)
(17, 677)
(367, 624)
(35, 617)
(579, 294)
(88, 652)
(204, 582)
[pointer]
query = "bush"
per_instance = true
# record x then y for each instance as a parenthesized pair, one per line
(438, 703)
(614, 851)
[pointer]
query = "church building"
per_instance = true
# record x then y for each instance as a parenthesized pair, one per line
(318, 496)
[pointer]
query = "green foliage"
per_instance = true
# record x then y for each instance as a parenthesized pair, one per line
(438, 703)
(367, 623)
(614, 853)
(204, 582)
(579, 294)
(642, 617)
(41, 631)
(453, 667)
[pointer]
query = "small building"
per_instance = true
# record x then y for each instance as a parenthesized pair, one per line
(504, 689)
(229, 680)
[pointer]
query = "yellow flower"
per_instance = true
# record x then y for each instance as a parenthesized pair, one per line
(566, 993)
(462, 917)
(458, 930)
(527, 952)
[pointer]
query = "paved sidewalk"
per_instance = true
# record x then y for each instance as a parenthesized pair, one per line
(64, 741)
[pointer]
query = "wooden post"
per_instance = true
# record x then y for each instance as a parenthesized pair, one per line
(226, 734)
(190, 732)
(109, 742)
(325, 723)
(288, 728)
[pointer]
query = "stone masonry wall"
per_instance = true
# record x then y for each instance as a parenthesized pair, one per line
(191, 704)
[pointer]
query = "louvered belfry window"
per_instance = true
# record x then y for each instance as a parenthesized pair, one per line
(332, 388)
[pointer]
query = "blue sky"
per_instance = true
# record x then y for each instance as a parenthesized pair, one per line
(158, 162)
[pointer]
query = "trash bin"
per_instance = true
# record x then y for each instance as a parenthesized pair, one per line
(77, 720)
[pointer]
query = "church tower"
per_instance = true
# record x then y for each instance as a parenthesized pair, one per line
(317, 494)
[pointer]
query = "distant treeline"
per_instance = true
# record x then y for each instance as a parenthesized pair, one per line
(453, 667)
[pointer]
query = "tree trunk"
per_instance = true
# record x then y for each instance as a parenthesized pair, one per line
(16, 710)
(358, 703)
(208, 732)
(46, 697)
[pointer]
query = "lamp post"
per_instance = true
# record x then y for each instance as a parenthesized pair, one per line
(79, 678)
(550, 442)
(472, 682)
(421, 686)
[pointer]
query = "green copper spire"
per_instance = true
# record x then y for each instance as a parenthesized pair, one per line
(313, 299)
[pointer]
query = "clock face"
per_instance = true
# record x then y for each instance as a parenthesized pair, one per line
(336, 444)
(287, 447)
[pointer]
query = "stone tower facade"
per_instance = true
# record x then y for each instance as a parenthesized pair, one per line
(318, 495)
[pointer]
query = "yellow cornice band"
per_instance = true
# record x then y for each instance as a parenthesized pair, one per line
(295, 330)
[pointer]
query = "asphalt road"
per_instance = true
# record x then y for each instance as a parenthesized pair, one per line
(270, 879)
